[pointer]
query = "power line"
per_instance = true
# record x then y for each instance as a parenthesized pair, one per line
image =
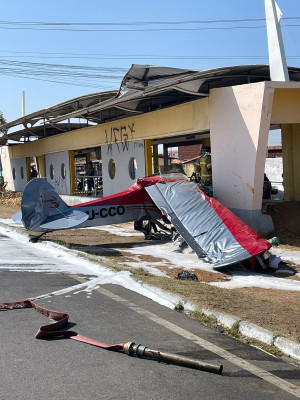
(61, 55)
(143, 30)
(57, 81)
(61, 73)
(64, 66)
(139, 22)
(138, 30)
(129, 23)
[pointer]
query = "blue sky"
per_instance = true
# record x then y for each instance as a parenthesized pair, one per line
(191, 45)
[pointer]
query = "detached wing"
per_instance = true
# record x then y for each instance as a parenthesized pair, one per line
(210, 229)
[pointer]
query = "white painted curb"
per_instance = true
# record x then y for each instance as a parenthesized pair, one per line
(288, 347)
(256, 332)
(252, 331)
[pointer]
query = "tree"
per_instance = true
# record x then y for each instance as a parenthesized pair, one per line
(2, 122)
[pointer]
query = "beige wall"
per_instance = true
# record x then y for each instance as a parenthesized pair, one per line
(286, 106)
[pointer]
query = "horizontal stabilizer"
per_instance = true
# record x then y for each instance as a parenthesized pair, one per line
(17, 217)
(64, 220)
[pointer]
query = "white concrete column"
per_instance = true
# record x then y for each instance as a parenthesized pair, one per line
(239, 128)
(6, 166)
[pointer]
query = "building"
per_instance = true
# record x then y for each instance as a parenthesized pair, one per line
(274, 151)
(232, 109)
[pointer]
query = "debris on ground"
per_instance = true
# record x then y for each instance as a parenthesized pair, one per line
(187, 275)
(179, 244)
(275, 241)
(151, 231)
(219, 327)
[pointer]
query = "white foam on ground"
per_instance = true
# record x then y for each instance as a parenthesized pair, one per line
(53, 258)
(68, 261)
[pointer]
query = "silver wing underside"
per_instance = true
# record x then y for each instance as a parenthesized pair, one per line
(197, 222)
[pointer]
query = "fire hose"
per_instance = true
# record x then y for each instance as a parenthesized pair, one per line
(129, 348)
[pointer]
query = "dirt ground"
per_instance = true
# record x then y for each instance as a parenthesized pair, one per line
(276, 310)
(286, 219)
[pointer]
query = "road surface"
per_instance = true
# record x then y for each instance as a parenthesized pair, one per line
(66, 369)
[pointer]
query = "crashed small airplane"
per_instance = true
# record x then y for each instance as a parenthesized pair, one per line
(215, 234)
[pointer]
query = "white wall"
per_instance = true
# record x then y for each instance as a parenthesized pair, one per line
(6, 166)
(19, 174)
(239, 128)
(61, 184)
(121, 153)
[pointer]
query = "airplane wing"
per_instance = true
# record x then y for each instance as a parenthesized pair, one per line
(211, 230)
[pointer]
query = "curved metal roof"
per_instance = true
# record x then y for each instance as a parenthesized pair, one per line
(143, 89)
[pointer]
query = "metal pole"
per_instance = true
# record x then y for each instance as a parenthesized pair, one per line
(23, 103)
(277, 58)
(133, 349)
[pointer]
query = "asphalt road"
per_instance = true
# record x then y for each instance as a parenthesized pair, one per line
(66, 369)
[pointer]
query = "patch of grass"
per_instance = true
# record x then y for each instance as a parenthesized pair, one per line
(212, 322)
(207, 320)
(140, 273)
(234, 331)
(270, 349)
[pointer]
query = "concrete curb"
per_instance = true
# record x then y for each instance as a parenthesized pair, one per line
(253, 331)
(246, 328)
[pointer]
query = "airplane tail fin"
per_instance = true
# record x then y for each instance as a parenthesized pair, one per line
(44, 210)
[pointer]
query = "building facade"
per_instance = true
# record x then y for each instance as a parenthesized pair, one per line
(232, 109)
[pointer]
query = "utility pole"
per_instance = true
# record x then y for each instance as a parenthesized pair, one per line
(277, 59)
(23, 103)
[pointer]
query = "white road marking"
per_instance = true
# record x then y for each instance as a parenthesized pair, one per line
(259, 372)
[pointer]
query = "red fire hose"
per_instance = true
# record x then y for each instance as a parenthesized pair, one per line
(130, 348)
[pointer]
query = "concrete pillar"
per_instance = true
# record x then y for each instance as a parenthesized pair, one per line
(41, 166)
(72, 171)
(28, 165)
(239, 128)
(166, 158)
(148, 157)
(155, 159)
(291, 161)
